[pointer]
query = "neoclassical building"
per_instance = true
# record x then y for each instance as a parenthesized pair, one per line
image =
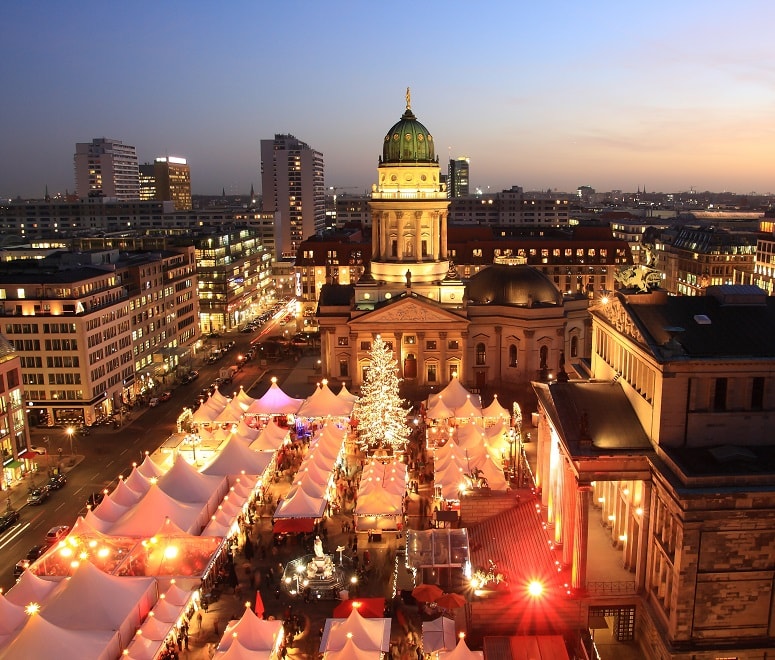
(507, 324)
(657, 476)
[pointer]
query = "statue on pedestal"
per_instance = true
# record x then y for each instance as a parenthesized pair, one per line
(318, 547)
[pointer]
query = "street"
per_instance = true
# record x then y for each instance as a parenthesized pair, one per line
(94, 462)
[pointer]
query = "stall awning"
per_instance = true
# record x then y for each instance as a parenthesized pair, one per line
(13, 464)
(293, 525)
(28, 453)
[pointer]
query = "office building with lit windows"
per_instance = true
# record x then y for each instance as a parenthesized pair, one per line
(293, 184)
(458, 176)
(167, 179)
(235, 277)
(94, 330)
(106, 168)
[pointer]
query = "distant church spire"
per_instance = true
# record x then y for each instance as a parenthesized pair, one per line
(223, 192)
(48, 198)
(252, 194)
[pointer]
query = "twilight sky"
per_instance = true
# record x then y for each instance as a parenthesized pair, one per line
(669, 94)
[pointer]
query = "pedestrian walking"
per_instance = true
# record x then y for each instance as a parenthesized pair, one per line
(199, 618)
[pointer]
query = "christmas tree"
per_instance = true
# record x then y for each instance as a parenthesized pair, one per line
(381, 412)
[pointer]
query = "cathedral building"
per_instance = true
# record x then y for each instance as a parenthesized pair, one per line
(507, 324)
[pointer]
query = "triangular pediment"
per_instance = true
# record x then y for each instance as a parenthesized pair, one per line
(412, 311)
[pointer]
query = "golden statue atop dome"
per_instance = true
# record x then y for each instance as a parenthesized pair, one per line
(408, 99)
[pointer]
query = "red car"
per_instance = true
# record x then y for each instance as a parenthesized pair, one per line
(165, 396)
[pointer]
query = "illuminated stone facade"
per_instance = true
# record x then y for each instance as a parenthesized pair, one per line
(668, 452)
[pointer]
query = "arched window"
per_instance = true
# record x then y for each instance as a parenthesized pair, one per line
(481, 354)
(512, 355)
(574, 346)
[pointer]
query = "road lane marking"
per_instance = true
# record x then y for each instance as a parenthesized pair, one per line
(12, 538)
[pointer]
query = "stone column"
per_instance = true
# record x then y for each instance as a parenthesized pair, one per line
(643, 538)
(443, 237)
(421, 373)
(579, 566)
(569, 507)
(398, 353)
(375, 235)
(443, 376)
(418, 236)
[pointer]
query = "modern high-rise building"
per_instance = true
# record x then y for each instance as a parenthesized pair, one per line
(458, 178)
(292, 183)
(106, 168)
(168, 179)
(173, 181)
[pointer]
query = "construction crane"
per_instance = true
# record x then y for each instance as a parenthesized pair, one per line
(336, 189)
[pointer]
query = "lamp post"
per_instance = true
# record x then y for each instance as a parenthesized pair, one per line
(70, 431)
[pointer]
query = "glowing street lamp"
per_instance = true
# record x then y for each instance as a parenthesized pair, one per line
(70, 432)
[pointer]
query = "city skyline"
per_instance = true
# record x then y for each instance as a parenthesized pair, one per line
(666, 98)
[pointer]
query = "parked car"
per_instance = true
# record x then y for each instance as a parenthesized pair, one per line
(39, 450)
(155, 401)
(22, 565)
(95, 498)
(189, 377)
(8, 518)
(38, 495)
(165, 396)
(57, 481)
(56, 534)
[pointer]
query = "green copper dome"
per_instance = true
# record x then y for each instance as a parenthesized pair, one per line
(408, 142)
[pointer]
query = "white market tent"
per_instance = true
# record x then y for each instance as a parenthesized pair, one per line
(243, 399)
(184, 483)
(235, 457)
(367, 634)
(299, 504)
(271, 438)
(345, 394)
(30, 589)
(439, 410)
(12, 616)
(255, 634)
(274, 402)
(438, 635)
(468, 410)
(352, 652)
(150, 469)
(231, 414)
(93, 600)
(123, 495)
(138, 482)
(380, 496)
(454, 395)
(496, 411)
(41, 639)
(324, 403)
(153, 509)
(239, 652)
(462, 652)
(246, 433)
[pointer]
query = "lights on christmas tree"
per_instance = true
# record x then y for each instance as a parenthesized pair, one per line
(381, 411)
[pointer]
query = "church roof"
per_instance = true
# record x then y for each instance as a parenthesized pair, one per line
(519, 285)
(408, 141)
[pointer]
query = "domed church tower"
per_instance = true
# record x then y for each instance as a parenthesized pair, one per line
(409, 208)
